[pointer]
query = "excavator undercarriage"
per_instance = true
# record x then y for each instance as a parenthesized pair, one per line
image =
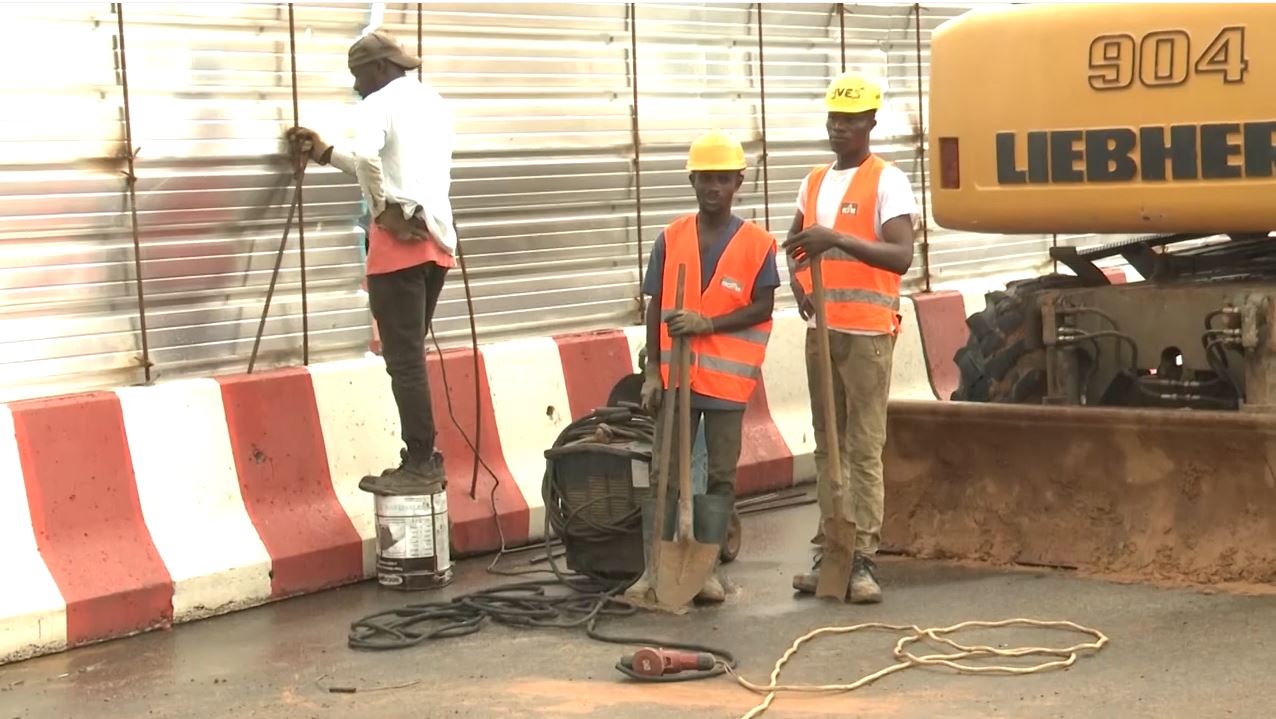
(1124, 430)
(1197, 334)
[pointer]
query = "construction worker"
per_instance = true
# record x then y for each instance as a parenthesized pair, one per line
(731, 277)
(858, 214)
(401, 156)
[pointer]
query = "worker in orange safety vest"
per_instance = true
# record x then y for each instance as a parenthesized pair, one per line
(730, 282)
(859, 215)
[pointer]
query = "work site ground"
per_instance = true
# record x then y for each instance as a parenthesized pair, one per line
(1174, 652)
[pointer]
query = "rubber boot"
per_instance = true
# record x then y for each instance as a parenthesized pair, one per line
(711, 521)
(641, 591)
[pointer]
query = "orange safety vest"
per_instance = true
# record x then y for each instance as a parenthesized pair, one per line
(857, 296)
(725, 365)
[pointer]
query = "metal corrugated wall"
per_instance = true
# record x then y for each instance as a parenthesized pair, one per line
(544, 183)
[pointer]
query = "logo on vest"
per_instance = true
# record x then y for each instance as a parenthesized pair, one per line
(731, 284)
(850, 208)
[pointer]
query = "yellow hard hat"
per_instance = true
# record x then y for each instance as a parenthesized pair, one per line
(851, 92)
(714, 150)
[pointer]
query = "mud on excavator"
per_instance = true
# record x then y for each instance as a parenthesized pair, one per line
(1121, 429)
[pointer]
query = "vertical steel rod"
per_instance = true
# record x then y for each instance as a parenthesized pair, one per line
(131, 183)
(766, 175)
(1054, 242)
(841, 23)
(476, 368)
(921, 147)
(636, 138)
(300, 166)
(301, 205)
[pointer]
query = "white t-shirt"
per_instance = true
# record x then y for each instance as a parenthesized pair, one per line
(404, 136)
(894, 199)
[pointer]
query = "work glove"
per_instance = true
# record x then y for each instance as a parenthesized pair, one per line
(653, 388)
(684, 322)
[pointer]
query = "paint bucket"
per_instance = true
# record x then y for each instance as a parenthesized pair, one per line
(412, 541)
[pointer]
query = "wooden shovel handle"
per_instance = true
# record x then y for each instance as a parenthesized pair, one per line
(684, 431)
(833, 461)
(664, 456)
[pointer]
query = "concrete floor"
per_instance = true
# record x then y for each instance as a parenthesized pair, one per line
(1174, 652)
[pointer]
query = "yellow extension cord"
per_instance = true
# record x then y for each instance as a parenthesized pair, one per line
(1067, 656)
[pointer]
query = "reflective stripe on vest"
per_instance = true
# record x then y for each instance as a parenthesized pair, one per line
(725, 365)
(857, 296)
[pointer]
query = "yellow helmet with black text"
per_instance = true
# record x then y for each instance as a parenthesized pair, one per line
(851, 93)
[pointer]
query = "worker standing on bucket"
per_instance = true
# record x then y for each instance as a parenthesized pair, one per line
(402, 157)
(858, 214)
(728, 323)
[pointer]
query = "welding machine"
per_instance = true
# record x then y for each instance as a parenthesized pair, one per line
(597, 476)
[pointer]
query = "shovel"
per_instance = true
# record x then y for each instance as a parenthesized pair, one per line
(663, 457)
(684, 563)
(839, 530)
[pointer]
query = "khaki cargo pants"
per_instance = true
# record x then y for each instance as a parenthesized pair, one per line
(861, 386)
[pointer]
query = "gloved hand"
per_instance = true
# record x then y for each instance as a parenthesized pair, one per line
(653, 388)
(683, 322)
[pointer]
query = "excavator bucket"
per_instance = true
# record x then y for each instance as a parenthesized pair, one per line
(1144, 494)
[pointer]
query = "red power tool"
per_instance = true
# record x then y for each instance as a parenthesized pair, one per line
(648, 662)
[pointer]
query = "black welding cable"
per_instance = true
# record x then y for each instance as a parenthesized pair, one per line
(529, 604)
(526, 604)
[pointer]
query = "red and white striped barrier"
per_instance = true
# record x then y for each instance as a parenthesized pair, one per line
(135, 509)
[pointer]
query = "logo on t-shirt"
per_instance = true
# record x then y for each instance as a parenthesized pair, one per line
(731, 284)
(850, 208)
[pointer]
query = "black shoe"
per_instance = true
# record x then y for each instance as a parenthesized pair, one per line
(414, 476)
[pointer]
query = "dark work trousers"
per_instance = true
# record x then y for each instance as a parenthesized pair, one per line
(723, 431)
(403, 305)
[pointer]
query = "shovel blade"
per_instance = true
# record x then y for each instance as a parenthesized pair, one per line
(683, 567)
(835, 567)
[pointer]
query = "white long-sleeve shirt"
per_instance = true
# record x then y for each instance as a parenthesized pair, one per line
(404, 137)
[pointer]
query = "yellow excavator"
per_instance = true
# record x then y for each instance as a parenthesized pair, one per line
(1121, 429)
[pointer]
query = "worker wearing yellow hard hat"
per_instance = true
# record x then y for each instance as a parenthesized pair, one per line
(857, 214)
(715, 151)
(729, 292)
(852, 94)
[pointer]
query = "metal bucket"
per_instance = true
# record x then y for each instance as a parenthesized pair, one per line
(412, 541)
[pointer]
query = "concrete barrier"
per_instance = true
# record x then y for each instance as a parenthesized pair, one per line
(32, 610)
(131, 510)
(191, 500)
(87, 519)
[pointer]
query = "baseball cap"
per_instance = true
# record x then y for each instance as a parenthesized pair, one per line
(379, 45)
